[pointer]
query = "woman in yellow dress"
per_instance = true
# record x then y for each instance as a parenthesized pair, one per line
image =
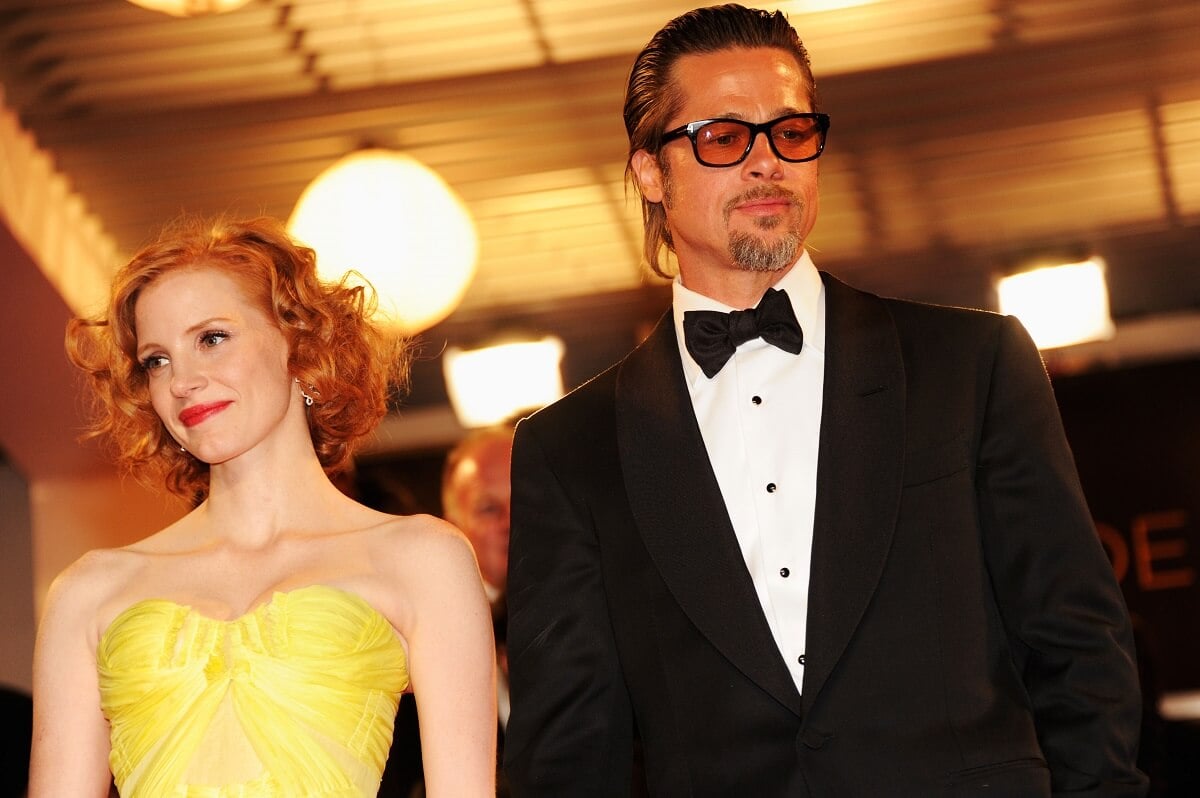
(259, 645)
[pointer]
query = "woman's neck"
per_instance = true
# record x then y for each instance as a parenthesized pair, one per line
(254, 500)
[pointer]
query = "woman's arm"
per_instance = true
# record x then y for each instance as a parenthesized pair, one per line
(452, 662)
(70, 734)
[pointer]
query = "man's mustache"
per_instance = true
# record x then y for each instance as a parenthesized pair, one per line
(760, 193)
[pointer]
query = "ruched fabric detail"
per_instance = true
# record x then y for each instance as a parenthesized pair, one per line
(296, 698)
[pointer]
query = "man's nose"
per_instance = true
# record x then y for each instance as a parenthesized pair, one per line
(762, 158)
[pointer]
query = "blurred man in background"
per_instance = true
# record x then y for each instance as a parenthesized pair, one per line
(475, 498)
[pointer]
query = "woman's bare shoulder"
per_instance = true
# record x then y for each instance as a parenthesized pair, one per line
(102, 577)
(95, 572)
(414, 550)
(427, 534)
(77, 596)
(410, 560)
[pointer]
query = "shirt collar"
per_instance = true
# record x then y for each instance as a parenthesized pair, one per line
(804, 288)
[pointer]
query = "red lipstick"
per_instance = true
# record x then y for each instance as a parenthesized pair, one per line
(191, 416)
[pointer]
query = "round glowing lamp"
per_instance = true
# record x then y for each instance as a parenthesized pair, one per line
(190, 8)
(393, 220)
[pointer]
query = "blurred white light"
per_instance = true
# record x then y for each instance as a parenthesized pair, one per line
(491, 385)
(396, 222)
(1059, 305)
(190, 8)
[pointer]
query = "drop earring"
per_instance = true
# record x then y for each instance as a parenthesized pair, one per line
(308, 400)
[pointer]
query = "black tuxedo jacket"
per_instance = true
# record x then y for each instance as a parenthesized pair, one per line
(965, 632)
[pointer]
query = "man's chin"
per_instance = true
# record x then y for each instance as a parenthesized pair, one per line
(758, 253)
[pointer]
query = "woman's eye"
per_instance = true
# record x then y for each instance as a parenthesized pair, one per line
(153, 362)
(212, 338)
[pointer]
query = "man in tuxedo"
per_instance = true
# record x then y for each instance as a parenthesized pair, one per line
(803, 541)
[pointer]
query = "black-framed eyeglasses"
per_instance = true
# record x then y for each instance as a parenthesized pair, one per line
(726, 142)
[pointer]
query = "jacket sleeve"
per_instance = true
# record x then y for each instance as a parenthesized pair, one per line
(1063, 610)
(571, 728)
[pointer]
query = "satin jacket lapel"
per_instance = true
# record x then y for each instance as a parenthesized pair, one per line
(859, 472)
(679, 511)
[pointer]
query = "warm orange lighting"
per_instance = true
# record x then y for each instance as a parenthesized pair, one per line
(815, 6)
(190, 8)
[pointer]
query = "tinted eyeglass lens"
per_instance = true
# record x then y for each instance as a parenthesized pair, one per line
(725, 142)
(796, 139)
(721, 143)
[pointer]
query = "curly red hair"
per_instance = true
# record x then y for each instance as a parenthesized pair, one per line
(334, 347)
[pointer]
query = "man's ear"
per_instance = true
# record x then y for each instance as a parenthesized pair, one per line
(648, 175)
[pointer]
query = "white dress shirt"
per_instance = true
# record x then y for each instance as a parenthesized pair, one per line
(760, 417)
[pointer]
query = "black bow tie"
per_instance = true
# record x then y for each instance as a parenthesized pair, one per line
(712, 336)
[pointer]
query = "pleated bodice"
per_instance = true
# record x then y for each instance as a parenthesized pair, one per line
(296, 698)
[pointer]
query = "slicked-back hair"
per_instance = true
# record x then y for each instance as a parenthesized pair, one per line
(652, 97)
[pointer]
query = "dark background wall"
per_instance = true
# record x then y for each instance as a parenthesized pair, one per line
(1136, 438)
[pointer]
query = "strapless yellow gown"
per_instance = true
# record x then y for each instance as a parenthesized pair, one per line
(296, 699)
